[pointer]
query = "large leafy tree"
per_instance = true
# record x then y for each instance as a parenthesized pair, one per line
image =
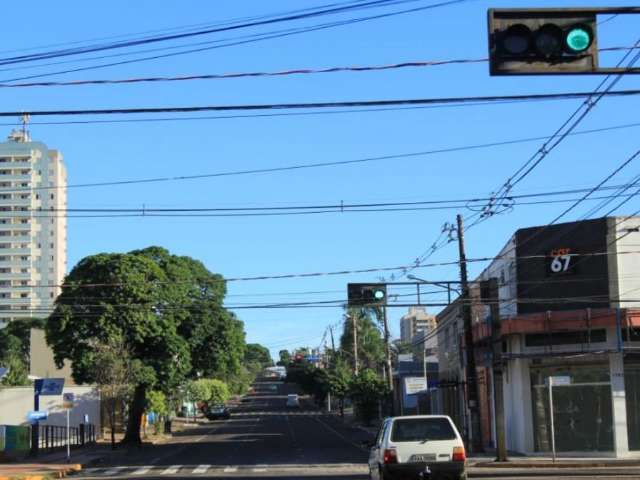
(369, 338)
(256, 353)
(166, 309)
(15, 350)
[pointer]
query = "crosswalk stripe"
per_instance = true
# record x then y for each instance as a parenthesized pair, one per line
(201, 469)
(171, 470)
(141, 471)
(230, 469)
(259, 470)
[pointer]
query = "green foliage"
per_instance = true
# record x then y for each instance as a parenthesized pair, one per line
(166, 309)
(256, 353)
(18, 372)
(370, 341)
(157, 403)
(15, 343)
(367, 389)
(285, 358)
(207, 391)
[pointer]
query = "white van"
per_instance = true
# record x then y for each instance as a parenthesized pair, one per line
(416, 447)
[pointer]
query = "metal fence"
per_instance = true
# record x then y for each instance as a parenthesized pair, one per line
(52, 437)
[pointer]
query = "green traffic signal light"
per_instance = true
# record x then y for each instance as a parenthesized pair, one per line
(378, 295)
(579, 38)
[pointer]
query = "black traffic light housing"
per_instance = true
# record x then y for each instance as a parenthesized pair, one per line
(366, 294)
(542, 41)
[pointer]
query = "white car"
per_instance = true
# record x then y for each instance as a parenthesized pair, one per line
(293, 401)
(416, 447)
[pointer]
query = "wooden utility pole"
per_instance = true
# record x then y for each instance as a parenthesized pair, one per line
(496, 343)
(473, 425)
(387, 350)
(354, 320)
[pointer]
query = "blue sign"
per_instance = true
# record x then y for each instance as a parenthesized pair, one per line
(49, 386)
(37, 415)
(3, 371)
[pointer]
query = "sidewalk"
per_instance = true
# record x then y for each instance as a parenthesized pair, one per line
(54, 464)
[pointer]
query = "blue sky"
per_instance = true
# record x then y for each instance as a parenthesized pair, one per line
(248, 246)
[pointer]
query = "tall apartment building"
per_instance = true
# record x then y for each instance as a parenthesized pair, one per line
(33, 227)
(416, 324)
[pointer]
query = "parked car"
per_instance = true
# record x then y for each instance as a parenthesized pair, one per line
(293, 401)
(217, 412)
(416, 447)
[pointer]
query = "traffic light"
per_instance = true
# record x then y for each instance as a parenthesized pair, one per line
(542, 41)
(366, 294)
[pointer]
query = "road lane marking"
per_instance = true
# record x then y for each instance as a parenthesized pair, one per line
(141, 471)
(230, 469)
(256, 470)
(201, 469)
(171, 470)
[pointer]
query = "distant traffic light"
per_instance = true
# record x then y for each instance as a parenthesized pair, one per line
(542, 41)
(366, 294)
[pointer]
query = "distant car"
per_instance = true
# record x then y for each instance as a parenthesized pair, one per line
(420, 446)
(217, 412)
(293, 401)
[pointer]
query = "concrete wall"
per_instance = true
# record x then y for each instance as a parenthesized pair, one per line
(41, 360)
(16, 402)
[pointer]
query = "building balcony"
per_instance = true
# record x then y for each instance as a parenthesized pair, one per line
(17, 177)
(7, 314)
(15, 276)
(15, 262)
(15, 227)
(15, 251)
(16, 301)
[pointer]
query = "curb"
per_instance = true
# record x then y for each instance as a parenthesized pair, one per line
(43, 474)
(556, 465)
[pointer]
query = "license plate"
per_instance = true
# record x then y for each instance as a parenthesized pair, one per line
(423, 458)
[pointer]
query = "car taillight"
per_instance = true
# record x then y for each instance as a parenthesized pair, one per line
(390, 456)
(458, 454)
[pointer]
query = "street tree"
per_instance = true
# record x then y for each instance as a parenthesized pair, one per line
(166, 309)
(256, 353)
(285, 358)
(114, 374)
(367, 390)
(339, 382)
(369, 338)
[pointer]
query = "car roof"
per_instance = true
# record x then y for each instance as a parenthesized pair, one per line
(416, 417)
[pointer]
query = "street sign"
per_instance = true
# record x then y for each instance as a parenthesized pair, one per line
(37, 415)
(413, 385)
(49, 386)
(68, 400)
(3, 371)
(559, 380)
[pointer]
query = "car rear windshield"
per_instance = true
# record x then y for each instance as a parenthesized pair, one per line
(422, 429)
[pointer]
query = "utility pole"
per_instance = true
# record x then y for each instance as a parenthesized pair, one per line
(496, 343)
(473, 424)
(387, 350)
(354, 327)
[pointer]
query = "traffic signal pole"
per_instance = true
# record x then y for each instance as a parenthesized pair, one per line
(474, 439)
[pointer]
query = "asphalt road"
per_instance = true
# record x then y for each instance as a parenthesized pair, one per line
(262, 439)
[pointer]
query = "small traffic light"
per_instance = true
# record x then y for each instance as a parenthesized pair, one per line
(542, 41)
(366, 294)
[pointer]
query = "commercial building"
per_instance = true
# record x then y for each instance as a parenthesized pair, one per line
(416, 323)
(566, 297)
(33, 228)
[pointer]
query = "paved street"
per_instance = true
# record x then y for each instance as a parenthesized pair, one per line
(262, 439)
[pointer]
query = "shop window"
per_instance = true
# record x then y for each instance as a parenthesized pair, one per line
(581, 411)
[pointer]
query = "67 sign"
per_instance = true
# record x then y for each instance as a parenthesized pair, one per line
(560, 260)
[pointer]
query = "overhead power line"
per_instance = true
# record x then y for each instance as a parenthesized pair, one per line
(319, 105)
(252, 38)
(279, 73)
